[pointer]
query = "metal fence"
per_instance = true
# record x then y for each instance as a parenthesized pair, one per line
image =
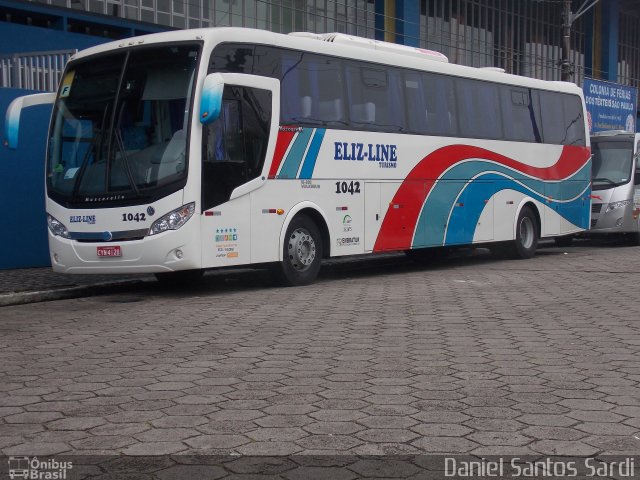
(39, 71)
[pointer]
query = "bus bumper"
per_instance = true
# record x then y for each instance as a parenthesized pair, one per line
(165, 252)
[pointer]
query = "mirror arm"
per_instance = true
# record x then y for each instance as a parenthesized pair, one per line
(12, 118)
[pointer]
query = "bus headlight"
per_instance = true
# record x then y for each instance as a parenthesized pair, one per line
(57, 228)
(616, 205)
(173, 220)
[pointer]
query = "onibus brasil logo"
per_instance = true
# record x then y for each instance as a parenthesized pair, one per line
(32, 468)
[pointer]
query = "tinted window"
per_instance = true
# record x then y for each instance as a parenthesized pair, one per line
(441, 114)
(518, 115)
(562, 118)
(232, 58)
(479, 109)
(375, 98)
(574, 121)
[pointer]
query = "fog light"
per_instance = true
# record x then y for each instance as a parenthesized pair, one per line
(55, 258)
(619, 221)
(179, 254)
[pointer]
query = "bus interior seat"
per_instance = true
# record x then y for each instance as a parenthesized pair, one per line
(331, 110)
(363, 112)
(305, 106)
(172, 160)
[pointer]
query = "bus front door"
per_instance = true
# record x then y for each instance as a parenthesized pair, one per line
(234, 148)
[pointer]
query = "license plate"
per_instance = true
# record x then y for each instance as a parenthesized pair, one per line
(114, 251)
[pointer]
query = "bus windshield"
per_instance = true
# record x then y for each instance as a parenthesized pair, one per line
(611, 163)
(119, 128)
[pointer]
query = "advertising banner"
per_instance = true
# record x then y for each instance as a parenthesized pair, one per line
(610, 106)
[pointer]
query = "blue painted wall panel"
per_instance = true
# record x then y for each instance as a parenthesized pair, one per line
(23, 242)
(16, 38)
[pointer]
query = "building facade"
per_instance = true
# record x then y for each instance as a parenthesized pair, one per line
(521, 36)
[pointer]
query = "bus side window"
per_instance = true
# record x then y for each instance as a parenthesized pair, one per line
(416, 104)
(442, 118)
(479, 107)
(519, 124)
(573, 120)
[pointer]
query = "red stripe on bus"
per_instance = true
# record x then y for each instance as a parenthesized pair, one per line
(282, 143)
(398, 225)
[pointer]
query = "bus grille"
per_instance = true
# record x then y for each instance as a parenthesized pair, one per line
(596, 207)
(594, 221)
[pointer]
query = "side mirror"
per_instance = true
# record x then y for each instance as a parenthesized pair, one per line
(12, 118)
(211, 100)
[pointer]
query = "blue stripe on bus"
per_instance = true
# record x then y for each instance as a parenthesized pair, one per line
(463, 221)
(294, 157)
(312, 154)
(434, 216)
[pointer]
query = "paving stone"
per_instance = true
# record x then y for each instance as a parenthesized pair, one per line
(388, 421)
(78, 423)
(441, 430)
(217, 441)
(109, 442)
(154, 448)
(166, 434)
(118, 429)
(554, 433)
(387, 435)
(338, 443)
(499, 438)
(32, 417)
(547, 420)
(277, 434)
(599, 428)
(227, 426)
(37, 449)
(615, 445)
(179, 421)
(561, 447)
(446, 445)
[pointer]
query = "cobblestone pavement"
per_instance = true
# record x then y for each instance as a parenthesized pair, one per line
(473, 355)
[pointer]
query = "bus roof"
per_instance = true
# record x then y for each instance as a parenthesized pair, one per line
(385, 53)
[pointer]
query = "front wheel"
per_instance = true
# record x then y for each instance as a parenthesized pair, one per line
(302, 252)
(526, 242)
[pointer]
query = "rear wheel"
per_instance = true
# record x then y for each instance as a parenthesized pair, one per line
(526, 242)
(302, 252)
(181, 278)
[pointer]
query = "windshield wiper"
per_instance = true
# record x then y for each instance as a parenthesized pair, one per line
(125, 161)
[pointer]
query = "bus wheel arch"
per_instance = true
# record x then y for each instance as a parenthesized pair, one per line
(317, 216)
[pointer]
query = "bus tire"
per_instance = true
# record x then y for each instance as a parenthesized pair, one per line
(526, 241)
(180, 278)
(302, 252)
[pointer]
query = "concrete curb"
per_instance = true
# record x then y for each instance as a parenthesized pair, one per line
(21, 298)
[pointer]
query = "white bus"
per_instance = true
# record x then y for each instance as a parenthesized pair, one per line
(615, 207)
(182, 151)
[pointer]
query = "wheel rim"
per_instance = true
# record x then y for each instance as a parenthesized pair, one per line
(527, 233)
(302, 249)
